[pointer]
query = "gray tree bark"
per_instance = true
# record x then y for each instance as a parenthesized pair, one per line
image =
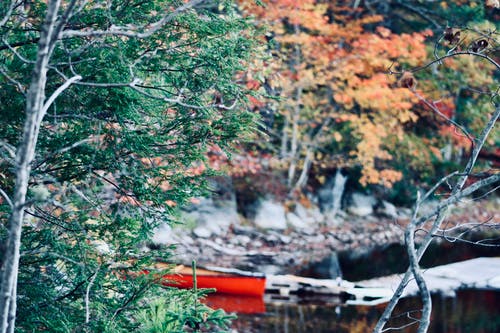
(36, 107)
(415, 254)
(24, 156)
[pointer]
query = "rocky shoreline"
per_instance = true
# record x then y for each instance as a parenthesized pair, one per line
(244, 245)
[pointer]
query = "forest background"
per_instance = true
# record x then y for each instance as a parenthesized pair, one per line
(147, 100)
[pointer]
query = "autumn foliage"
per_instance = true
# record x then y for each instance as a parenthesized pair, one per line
(345, 94)
(330, 67)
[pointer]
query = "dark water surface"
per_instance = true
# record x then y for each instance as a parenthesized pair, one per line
(392, 258)
(471, 311)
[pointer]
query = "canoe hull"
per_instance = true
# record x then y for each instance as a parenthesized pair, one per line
(225, 284)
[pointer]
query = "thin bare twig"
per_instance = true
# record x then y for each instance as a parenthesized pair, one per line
(56, 93)
(87, 296)
(10, 149)
(440, 216)
(148, 30)
(13, 5)
(7, 198)
(18, 84)
(446, 56)
(434, 108)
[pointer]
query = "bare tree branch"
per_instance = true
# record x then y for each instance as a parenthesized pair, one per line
(87, 296)
(149, 30)
(434, 108)
(56, 93)
(179, 100)
(436, 186)
(457, 193)
(18, 84)
(440, 216)
(10, 149)
(17, 54)
(399, 328)
(7, 199)
(417, 254)
(420, 12)
(425, 294)
(477, 148)
(13, 5)
(439, 60)
(56, 33)
(24, 156)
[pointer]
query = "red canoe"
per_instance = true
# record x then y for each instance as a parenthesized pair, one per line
(224, 280)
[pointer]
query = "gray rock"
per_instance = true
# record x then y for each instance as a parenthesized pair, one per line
(361, 204)
(272, 238)
(296, 222)
(269, 269)
(211, 216)
(316, 239)
(163, 235)
(388, 209)
(285, 239)
(202, 232)
(309, 215)
(303, 214)
(270, 215)
(186, 240)
(317, 215)
(242, 240)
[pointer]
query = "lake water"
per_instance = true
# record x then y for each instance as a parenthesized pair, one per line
(471, 311)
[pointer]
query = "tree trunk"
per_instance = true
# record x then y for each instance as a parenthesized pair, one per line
(295, 139)
(24, 156)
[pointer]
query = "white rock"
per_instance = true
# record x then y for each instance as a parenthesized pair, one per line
(296, 222)
(163, 235)
(361, 204)
(270, 215)
(202, 232)
(285, 239)
(242, 239)
(309, 215)
(215, 218)
(388, 209)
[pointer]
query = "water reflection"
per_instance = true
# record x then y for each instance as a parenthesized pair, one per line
(471, 311)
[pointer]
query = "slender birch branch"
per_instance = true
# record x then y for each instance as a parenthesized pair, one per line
(18, 84)
(10, 149)
(434, 108)
(439, 60)
(87, 296)
(7, 199)
(457, 193)
(477, 148)
(24, 156)
(127, 32)
(8, 14)
(423, 247)
(56, 93)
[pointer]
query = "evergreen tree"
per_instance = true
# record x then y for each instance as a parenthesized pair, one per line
(108, 110)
